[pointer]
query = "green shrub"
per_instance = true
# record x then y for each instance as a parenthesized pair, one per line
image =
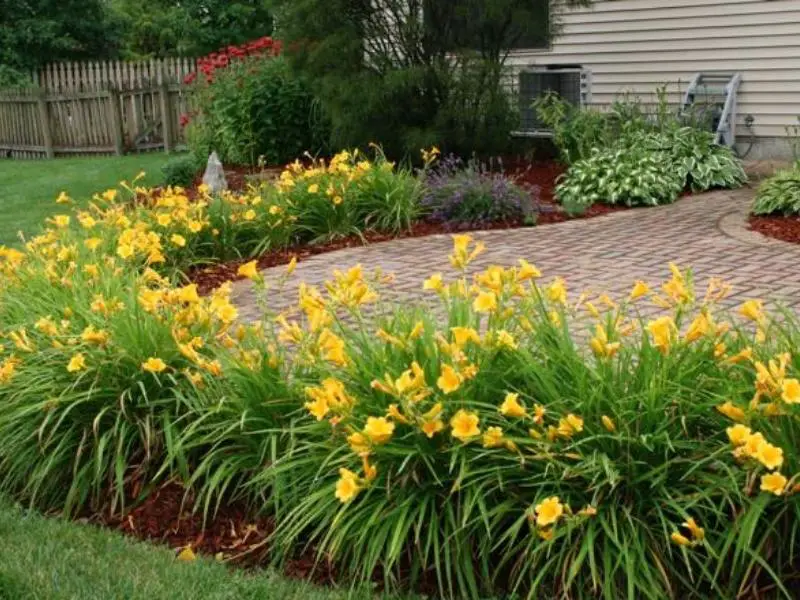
(255, 107)
(181, 171)
(702, 163)
(630, 176)
(576, 131)
(779, 194)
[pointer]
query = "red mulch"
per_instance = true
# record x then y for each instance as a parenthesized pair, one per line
(779, 227)
(166, 516)
(231, 534)
(539, 175)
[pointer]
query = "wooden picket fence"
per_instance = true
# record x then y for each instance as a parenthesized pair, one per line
(96, 107)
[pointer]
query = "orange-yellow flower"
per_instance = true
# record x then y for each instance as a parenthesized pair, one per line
(548, 511)
(347, 487)
(698, 328)
(379, 429)
(770, 456)
(76, 363)
(485, 302)
(662, 330)
(434, 283)
(640, 288)
(680, 539)
(753, 310)
(154, 365)
(249, 270)
(738, 434)
(511, 406)
(790, 391)
(698, 533)
(465, 425)
(774, 483)
(493, 438)
(557, 291)
(527, 271)
(731, 411)
(449, 381)
(608, 423)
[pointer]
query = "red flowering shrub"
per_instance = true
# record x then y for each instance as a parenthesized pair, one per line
(247, 103)
(208, 65)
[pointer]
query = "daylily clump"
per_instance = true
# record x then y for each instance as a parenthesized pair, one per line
(505, 420)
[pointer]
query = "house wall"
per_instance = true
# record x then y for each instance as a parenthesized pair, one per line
(637, 45)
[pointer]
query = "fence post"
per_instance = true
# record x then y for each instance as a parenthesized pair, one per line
(116, 121)
(166, 116)
(44, 123)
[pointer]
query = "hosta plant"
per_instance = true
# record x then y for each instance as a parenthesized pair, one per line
(702, 163)
(627, 176)
(780, 194)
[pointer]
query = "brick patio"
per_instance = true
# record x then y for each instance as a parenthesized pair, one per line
(605, 254)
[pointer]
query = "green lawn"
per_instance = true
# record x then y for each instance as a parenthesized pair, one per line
(28, 188)
(53, 559)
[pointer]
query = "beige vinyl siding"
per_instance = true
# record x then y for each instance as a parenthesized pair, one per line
(635, 46)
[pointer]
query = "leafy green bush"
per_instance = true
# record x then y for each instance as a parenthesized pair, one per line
(630, 176)
(253, 107)
(779, 194)
(181, 171)
(576, 131)
(702, 163)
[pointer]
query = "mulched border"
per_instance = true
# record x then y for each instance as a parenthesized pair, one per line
(782, 228)
(538, 177)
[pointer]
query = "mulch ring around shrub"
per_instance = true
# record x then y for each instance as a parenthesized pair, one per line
(539, 177)
(782, 228)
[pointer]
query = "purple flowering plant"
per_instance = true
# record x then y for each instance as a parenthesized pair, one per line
(472, 193)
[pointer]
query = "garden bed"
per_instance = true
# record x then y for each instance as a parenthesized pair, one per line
(537, 177)
(782, 228)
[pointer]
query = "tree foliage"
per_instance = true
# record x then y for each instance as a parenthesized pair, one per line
(410, 73)
(157, 28)
(33, 32)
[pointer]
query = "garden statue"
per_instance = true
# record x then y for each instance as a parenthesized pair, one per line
(214, 176)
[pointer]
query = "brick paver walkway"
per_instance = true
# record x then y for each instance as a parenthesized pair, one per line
(605, 254)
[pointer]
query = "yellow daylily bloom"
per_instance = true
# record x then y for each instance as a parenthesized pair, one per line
(640, 288)
(731, 411)
(347, 488)
(379, 429)
(774, 483)
(154, 365)
(76, 363)
(511, 406)
(485, 302)
(449, 381)
(738, 434)
(464, 425)
(249, 270)
(549, 511)
(753, 310)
